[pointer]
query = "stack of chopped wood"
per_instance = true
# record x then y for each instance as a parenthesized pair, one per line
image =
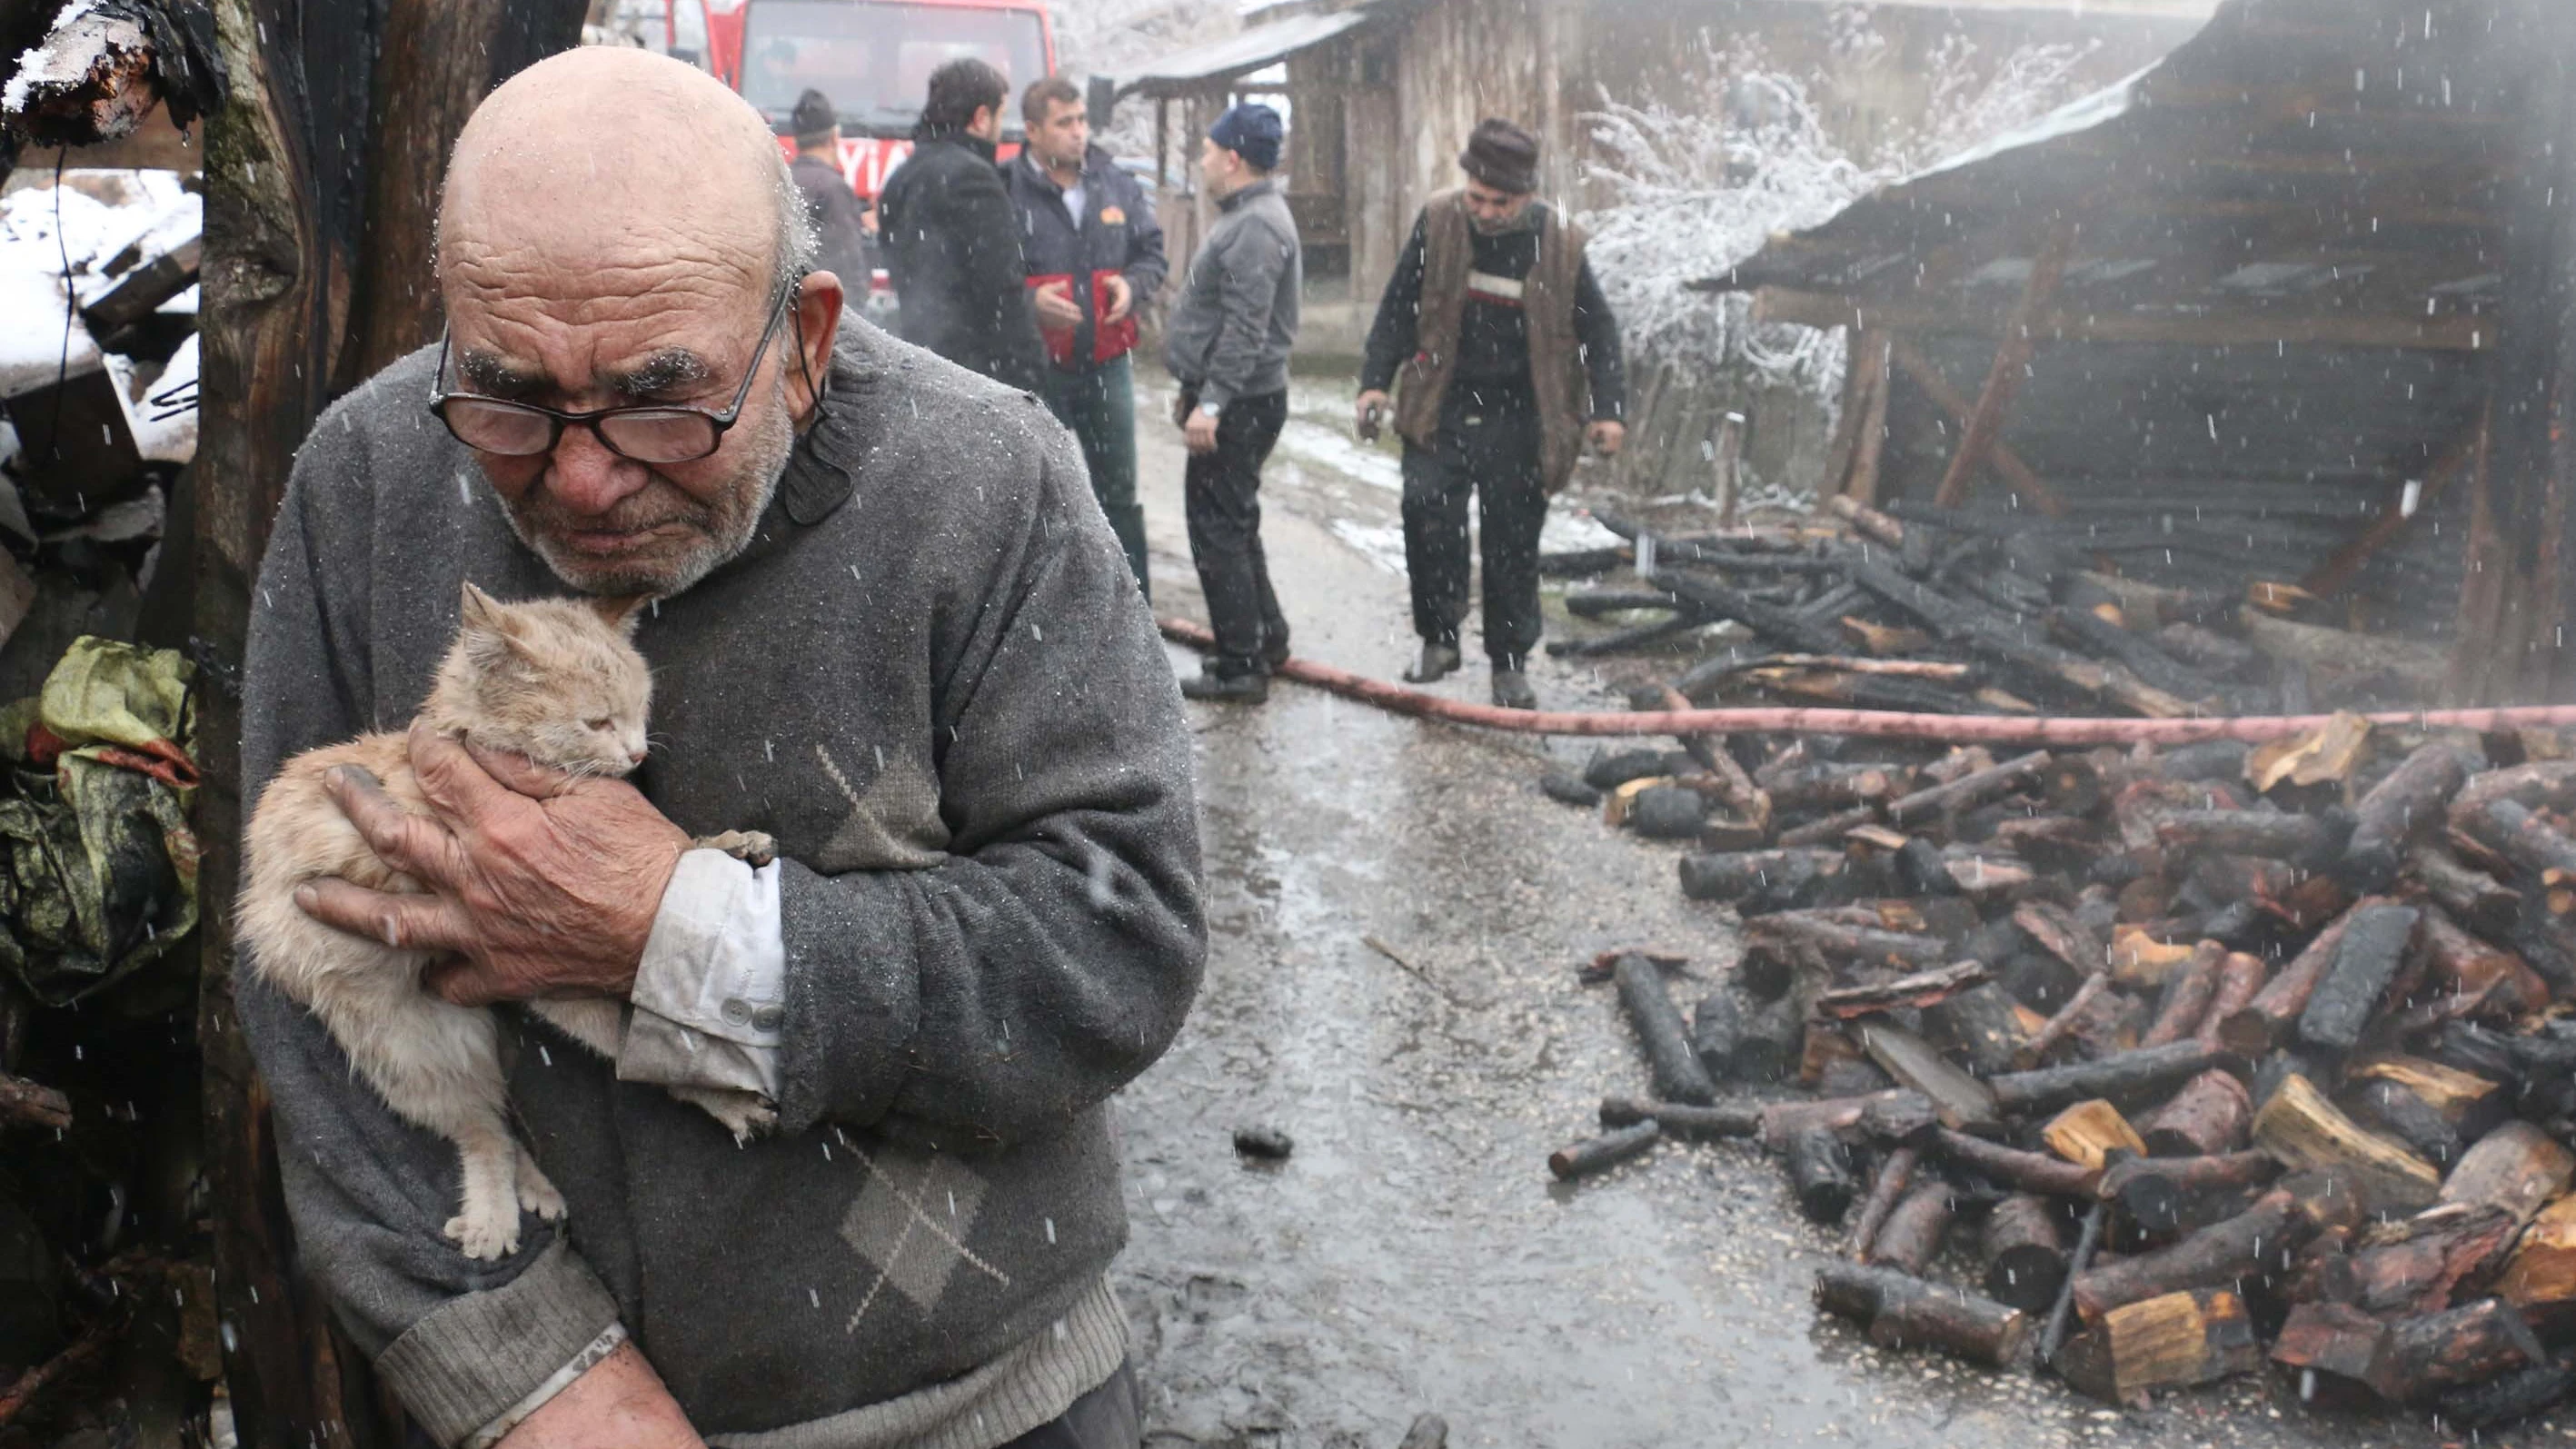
(1939, 612)
(2158, 1065)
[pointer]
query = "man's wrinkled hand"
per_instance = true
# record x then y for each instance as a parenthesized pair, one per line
(537, 884)
(1199, 433)
(1606, 437)
(1055, 305)
(1122, 298)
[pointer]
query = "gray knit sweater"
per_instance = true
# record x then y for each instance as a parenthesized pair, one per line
(932, 679)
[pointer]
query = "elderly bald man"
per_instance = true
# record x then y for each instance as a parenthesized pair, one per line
(892, 630)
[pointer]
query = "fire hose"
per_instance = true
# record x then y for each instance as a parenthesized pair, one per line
(1993, 729)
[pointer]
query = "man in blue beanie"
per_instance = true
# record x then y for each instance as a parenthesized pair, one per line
(1227, 343)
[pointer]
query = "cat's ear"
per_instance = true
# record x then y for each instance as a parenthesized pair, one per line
(489, 629)
(623, 614)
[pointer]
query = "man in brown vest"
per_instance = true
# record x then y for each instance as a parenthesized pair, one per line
(1509, 361)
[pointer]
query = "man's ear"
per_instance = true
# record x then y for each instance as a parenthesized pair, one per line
(817, 322)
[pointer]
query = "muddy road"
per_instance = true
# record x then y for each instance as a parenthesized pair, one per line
(1396, 914)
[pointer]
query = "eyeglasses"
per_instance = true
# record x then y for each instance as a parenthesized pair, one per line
(645, 434)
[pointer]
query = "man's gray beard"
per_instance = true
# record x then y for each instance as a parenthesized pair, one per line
(768, 442)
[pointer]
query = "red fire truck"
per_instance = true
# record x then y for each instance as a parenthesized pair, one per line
(872, 57)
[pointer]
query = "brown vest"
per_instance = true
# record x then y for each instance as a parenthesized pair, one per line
(1547, 300)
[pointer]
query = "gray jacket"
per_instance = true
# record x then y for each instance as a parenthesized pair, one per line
(1229, 333)
(932, 678)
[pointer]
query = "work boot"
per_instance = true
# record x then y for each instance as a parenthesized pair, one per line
(1438, 662)
(1232, 686)
(1512, 690)
(1274, 651)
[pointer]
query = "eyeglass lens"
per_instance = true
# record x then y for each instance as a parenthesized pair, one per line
(649, 436)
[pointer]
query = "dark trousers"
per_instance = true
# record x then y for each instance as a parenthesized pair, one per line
(1221, 493)
(1099, 405)
(1488, 445)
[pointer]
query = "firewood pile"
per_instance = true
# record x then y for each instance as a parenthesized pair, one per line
(2149, 1067)
(1942, 612)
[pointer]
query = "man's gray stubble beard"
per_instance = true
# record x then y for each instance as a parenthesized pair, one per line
(771, 443)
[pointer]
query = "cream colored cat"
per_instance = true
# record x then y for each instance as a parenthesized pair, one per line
(558, 681)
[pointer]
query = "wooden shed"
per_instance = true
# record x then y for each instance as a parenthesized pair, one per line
(1382, 93)
(2289, 308)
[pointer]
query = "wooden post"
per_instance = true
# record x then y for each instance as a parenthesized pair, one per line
(1869, 440)
(291, 214)
(2335, 574)
(2535, 445)
(2017, 475)
(2012, 362)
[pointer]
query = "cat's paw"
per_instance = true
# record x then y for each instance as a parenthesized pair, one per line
(537, 1192)
(486, 1235)
(744, 1114)
(754, 848)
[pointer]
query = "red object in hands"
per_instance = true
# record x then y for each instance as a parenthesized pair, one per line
(1109, 340)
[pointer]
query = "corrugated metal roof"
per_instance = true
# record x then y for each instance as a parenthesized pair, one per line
(1242, 54)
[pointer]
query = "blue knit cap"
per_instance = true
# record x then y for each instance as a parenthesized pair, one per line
(1251, 131)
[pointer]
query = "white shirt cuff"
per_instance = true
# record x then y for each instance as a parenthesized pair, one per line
(716, 964)
(556, 1382)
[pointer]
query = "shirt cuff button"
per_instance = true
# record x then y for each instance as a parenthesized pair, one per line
(737, 1012)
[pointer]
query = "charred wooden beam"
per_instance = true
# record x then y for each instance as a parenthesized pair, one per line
(2128, 1077)
(1969, 790)
(2271, 834)
(2246, 1246)
(2472, 895)
(2265, 1021)
(1922, 989)
(2408, 803)
(1678, 1075)
(1678, 1119)
(1600, 1153)
(1961, 1100)
(1821, 1176)
(2374, 946)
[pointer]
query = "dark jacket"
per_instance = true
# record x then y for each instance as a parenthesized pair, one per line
(989, 897)
(952, 247)
(1516, 311)
(840, 224)
(1230, 331)
(1116, 232)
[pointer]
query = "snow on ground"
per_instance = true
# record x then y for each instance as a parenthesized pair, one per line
(56, 242)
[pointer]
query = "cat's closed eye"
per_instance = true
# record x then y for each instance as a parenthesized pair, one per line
(598, 726)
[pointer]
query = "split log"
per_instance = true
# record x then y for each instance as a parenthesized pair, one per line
(2470, 894)
(2062, 1025)
(2374, 946)
(2171, 1341)
(1922, 989)
(2421, 1357)
(2127, 1077)
(1886, 1187)
(2024, 1253)
(2136, 653)
(2540, 1277)
(2469, 1103)
(2423, 1265)
(1599, 1153)
(2265, 1021)
(2516, 1167)
(2210, 1117)
(1827, 829)
(1961, 1100)
(2028, 1171)
(2240, 978)
(2538, 785)
(2061, 935)
(2154, 1192)
(1969, 790)
(1678, 1076)
(28, 1104)
(1697, 1124)
(2391, 1108)
(1764, 880)
(2245, 1246)
(1782, 1122)
(2304, 1130)
(2089, 1132)
(1820, 1174)
(2465, 965)
(1829, 786)
(1911, 1237)
(2141, 962)
(2508, 1399)
(1904, 1312)
(2407, 803)
(2186, 997)
(2269, 834)
(2329, 1338)
(1993, 633)
(1982, 1025)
